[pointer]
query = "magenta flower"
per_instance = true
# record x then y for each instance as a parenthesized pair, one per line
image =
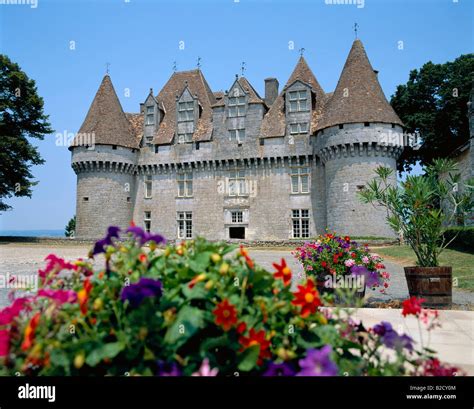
(54, 266)
(9, 313)
(59, 296)
(4, 342)
(318, 363)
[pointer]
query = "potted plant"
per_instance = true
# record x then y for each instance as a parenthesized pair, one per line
(419, 209)
(339, 263)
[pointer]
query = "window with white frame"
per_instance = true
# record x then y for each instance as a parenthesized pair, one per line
(298, 128)
(150, 115)
(236, 106)
(298, 101)
(237, 183)
(185, 225)
(148, 186)
(237, 216)
(185, 137)
(237, 135)
(147, 221)
(185, 184)
(300, 222)
(299, 179)
(185, 111)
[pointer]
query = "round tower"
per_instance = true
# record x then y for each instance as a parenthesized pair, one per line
(104, 158)
(358, 132)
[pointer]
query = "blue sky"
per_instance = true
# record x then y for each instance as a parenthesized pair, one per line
(141, 40)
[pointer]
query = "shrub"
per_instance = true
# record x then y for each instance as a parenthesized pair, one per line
(460, 238)
(197, 308)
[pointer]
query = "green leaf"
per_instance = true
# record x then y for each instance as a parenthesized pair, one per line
(188, 321)
(249, 358)
(110, 350)
(200, 262)
(215, 342)
(60, 358)
(197, 292)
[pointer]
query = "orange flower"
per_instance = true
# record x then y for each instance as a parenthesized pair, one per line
(307, 298)
(30, 332)
(283, 272)
(226, 315)
(248, 260)
(83, 296)
(257, 338)
(142, 258)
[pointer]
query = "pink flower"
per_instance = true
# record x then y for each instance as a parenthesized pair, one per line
(205, 369)
(309, 268)
(365, 260)
(349, 262)
(4, 342)
(54, 266)
(59, 296)
(9, 313)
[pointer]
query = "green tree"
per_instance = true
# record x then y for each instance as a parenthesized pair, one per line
(70, 230)
(21, 117)
(434, 103)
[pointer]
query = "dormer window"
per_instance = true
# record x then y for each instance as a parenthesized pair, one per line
(299, 128)
(236, 106)
(298, 101)
(185, 111)
(150, 115)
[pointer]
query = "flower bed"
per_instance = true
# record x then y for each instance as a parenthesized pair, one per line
(197, 308)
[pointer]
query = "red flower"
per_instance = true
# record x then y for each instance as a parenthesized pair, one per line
(353, 255)
(30, 329)
(347, 239)
(257, 338)
(324, 264)
(412, 306)
(248, 260)
(335, 259)
(283, 272)
(83, 296)
(142, 258)
(226, 315)
(241, 328)
(308, 298)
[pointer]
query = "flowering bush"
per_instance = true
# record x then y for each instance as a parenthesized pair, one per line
(197, 308)
(331, 259)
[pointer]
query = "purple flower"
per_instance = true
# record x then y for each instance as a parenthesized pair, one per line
(99, 246)
(168, 369)
(318, 363)
(136, 293)
(145, 237)
(283, 369)
(371, 277)
(391, 339)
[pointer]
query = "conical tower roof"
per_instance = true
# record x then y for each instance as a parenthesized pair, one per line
(274, 123)
(358, 97)
(106, 119)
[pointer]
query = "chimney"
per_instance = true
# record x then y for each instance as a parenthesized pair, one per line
(271, 90)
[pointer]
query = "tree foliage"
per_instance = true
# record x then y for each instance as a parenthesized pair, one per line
(21, 117)
(70, 230)
(434, 103)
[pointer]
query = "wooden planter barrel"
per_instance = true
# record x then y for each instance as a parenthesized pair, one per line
(434, 284)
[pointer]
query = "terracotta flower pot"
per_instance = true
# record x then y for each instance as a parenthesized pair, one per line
(434, 284)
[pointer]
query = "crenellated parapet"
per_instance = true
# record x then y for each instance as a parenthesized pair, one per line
(367, 149)
(104, 166)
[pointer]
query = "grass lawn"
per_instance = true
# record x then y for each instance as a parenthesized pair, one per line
(462, 263)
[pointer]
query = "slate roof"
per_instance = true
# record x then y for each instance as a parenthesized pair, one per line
(274, 122)
(254, 98)
(106, 119)
(358, 96)
(199, 87)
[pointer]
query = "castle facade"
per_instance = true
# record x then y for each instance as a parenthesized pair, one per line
(236, 165)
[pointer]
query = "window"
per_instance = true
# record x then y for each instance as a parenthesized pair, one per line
(237, 183)
(237, 216)
(185, 137)
(236, 106)
(237, 135)
(128, 199)
(150, 115)
(147, 221)
(185, 225)
(366, 124)
(148, 186)
(185, 111)
(86, 199)
(298, 128)
(299, 180)
(114, 147)
(300, 221)
(157, 148)
(197, 146)
(185, 184)
(341, 126)
(298, 101)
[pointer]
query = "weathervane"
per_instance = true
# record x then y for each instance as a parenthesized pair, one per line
(242, 68)
(356, 29)
(199, 63)
(302, 50)
(175, 67)
(107, 67)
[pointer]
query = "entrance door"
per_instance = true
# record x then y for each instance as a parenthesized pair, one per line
(237, 232)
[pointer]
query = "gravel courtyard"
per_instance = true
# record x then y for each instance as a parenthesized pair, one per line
(18, 258)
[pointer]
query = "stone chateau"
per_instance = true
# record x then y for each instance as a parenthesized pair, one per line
(234, 164)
